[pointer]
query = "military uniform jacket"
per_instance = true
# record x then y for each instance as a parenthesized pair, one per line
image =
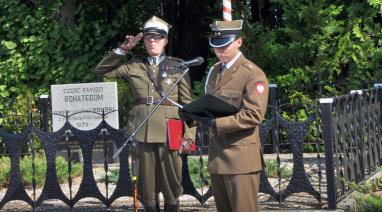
(134, 72)
(234, 146)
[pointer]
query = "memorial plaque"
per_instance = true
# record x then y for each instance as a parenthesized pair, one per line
(84, 104)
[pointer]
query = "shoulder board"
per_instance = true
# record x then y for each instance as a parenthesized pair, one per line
(216, 64)
(250, 66)
(172, 61)
(175, 59)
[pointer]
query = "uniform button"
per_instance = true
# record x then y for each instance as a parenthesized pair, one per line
(152, 83)
(244, 142)
(152, 90)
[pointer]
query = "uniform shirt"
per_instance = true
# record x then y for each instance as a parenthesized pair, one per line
(134, 72)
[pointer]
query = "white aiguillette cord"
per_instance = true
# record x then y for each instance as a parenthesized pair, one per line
(175, 103)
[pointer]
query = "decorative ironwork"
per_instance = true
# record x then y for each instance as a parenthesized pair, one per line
(299, 181)
(351, 127)
(16, 189)
(296, 133)
(51, 189)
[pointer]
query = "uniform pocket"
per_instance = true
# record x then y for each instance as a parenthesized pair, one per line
(241, 138)
(233, 97)
(230, 93)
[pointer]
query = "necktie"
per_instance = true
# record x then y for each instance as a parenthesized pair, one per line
(221, 72)
(224, 67)
(154, 61)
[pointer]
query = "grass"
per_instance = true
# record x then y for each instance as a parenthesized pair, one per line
(369, 200)
(40, 170)
(370, 203)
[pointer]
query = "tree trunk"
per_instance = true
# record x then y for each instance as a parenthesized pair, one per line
(67, 12)
(189, 37)
(170, 14)
(256, 10)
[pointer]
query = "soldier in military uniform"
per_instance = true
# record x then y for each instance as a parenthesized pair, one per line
(235, 156)
(150, 77)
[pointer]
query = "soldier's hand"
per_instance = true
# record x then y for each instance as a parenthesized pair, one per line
(185, 146)
(132, 147)
(131, 41)
(185, 116)
(205, 121)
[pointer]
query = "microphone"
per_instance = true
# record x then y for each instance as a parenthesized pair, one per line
(194, 62)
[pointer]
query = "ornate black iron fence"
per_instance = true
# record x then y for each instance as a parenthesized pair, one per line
(276, 128)
(351, 127)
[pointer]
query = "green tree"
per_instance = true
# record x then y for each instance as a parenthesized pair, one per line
(318, 48)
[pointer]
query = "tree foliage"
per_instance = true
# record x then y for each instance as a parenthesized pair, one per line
(40, 47)
(310, 49)
(318, 48)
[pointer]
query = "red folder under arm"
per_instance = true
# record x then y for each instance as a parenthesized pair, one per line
(175, 134)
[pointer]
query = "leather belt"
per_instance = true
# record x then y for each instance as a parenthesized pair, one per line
(150, 100)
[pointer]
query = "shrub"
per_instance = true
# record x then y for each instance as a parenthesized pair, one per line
(113, 176)
(271, 170)
(370, 186)
(370, 203)
(5, 170)
(26, 170)
(193, 168)
(62, 169)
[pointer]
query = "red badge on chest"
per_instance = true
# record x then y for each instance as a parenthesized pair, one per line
(260, 87)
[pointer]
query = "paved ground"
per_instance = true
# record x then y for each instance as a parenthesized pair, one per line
(125, 204)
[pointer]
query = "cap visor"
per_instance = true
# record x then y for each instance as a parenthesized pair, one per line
(155, 31)
(220, 42)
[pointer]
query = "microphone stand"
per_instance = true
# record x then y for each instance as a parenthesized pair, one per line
(200, 133)
(129, 140)
(132, 135)
(134, 179)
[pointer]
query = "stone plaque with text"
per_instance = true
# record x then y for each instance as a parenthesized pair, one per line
(84, 103)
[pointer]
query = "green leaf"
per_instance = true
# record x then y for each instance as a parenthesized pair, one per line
(10, 45)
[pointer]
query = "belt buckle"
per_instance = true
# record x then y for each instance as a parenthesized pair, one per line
(150, 100)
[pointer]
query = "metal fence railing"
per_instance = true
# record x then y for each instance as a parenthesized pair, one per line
(347, 129)
(351, 128)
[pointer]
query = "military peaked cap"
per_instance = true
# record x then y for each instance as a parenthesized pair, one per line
(156, 25)
(225, 32)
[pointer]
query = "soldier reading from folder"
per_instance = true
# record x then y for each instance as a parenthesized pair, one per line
(149, 78)
(235, 157)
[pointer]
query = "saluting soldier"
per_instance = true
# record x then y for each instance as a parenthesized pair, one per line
(235, 156)
(149, 78)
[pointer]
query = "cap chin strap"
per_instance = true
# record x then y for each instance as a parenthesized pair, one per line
(222, 45)
(155, 30)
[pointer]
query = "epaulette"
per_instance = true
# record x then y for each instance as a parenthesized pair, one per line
(175, 59)
(216, 64)
(172, 63)
(250, 66)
